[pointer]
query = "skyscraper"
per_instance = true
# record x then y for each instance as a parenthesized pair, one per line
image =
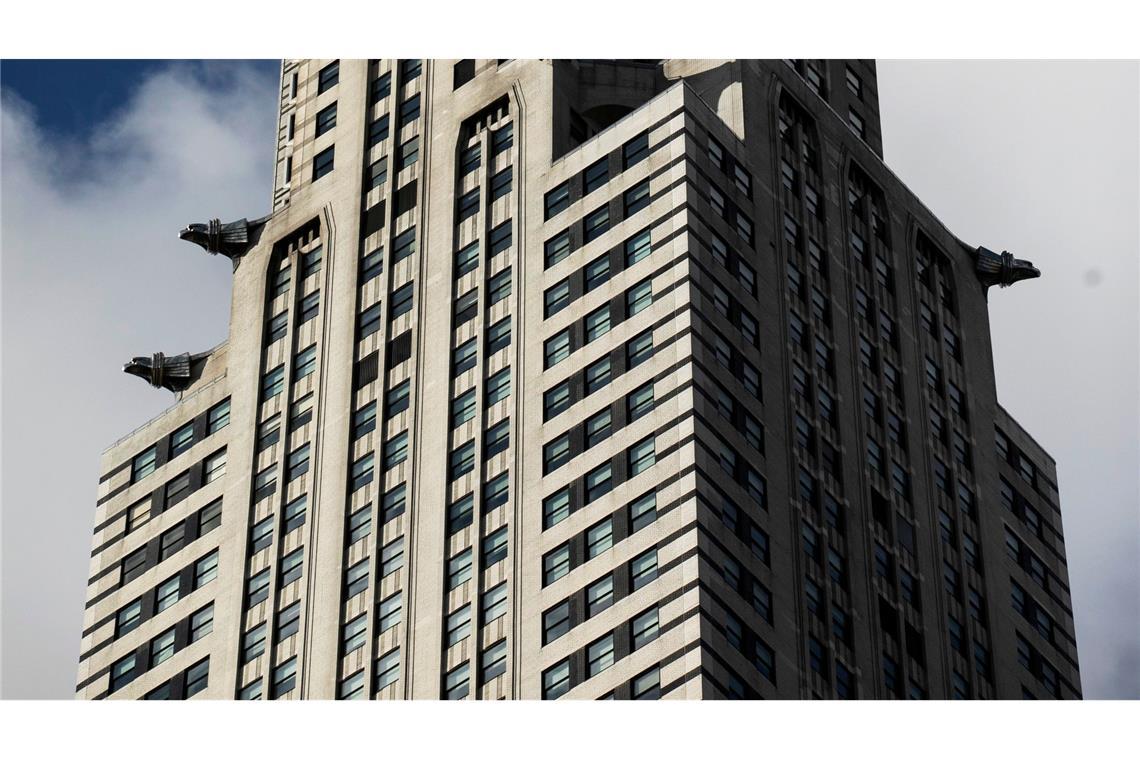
(584, 379)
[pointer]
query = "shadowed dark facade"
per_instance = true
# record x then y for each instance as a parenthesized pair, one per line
(586, 379)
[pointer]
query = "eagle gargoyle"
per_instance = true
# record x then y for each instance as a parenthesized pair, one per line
(1002, 268)
(175, 373)
(231, 239)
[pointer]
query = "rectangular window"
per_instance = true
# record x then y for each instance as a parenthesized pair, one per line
(378, 133)
(499, 335)
(642, 456)
(635, 150)
(599, 538)
(636, 198)
(123, 671)
(305, 363)
(555, 454)
(297, 464)
(556, 248)
(294, 515)
(597, 323)
(599, 482)
(470, 159)
(642, 511)
(637, 247)
(401, 301)
(495, 547)
(556, 680)
(639, 297)
(458, 570)
(643, 569)
(181, 439)
(360, 524)
(362, 471)
(640, 402)
(408, 153)
(171, 541)
(380, 87)
(598, 375)
(326, 119)
(323, 163)
(499, 239)
(458, 625)
(596, 223)
(556, 298)
(557, 200)
(177, 489)
(597, 272)
(257, 588)
(595, 176)
(599, 596)
(497, 439)
(555, 508)
(459, 513)
(464, 357)
(599, 655)
(206, 569)
(499, 286)
(218, 417)
(328, 77)
(599, 427)
(495, 603)
(555, 564)
(502, 139)
(392, 557)
(466, 207)
(388, 669)
(410, 110)
(389, 612)
(167, 594)
(285, 678)
(556, 349)
(501, 183)
(499, 386)
(288, 621)
(143, 464)
(404, 245)
(396, 399)
(456, 684)
(292, 565)
(556, 400)
(396, 450)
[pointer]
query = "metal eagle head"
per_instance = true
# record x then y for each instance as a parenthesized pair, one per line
(197, 233)
(1002, 268)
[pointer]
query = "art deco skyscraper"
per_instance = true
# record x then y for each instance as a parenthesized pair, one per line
(595, 379)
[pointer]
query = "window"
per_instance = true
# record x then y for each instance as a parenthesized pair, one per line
(403, 246)
(557, 200)
(295, 512)
(408, 153)
(556, 680)
(392, 557)
(499, 335)
(637, 248)
(396, 450)
(599, 538)
(598, 482)
(465, 208)
(396, 400)
(177, 489)
(599, 655)
(647, 685)
(463, 408)
(502, 139)
(501, 183)
(326, 119)
(597, 272)
(494, 661)
(171, 541)
(640, 401)
(360, 524)
(380, 87)
(181, 439)
(470, 159)
(642, 456)
(463, 358)
(292, 566)
(854, 83)
(598, 428)
(599, 374)
(288, 621)
(458, 625)
(857, 124)
(323, 163)
(636, 198)
(499, 239)
(495, 603)
(361, 472)
(643, 569)
(162, 647)
(285, 677)
(209, 517)
(555, 564)
(401, 301)
(297, 463)
(556, 349)
(310, 307)
(499, 286)
(499, 386)
(128, 618)
(123, 672)
(597, 323)
(388, 669)
(595, 176)
(596, 223)
(642, 511)
(459, 513)
(466, 307)
(555, 454)
(556, 298)
(555, 622)
(257, 588)
(206, 569)
(639, 297)
(410, 110)
(556, 248)
(133, 565)
(328, 77)
(389, 612)
(458, 570)
(555, 508)
(410, 69)
(378, 133)
(635, 150)
(497, 438)
(599, 596)
(305, 363)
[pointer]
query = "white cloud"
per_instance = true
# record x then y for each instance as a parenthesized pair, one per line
(93, 273)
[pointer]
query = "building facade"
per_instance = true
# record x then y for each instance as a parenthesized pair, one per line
(584, 379)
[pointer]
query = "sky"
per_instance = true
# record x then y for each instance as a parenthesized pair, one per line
(103, 162)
